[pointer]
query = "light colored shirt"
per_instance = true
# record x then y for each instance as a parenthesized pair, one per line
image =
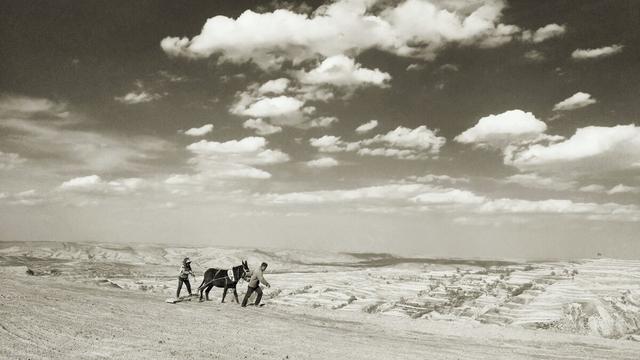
(184, 273)
(257, 277)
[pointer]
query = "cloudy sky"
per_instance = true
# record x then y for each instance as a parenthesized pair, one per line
(473, 128)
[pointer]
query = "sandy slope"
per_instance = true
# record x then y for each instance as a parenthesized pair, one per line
(52, 318)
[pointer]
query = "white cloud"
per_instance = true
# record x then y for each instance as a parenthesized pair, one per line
(544, 33)
(201, 131)
(11, 105)
(575, 101)
(623, 189)
(246, 145)
(342, 71)
(94, 184)
(286, 109)
(413, 28)
(448, 196)
(366, 127)
(233, 159)
(10, 160)
(270, 107)
(382, 192)
(325, 162)
(328, 143)
(593, 148)
(81, 182)
(420, 138)
(261, 127)
(323, 122)
(407, 154)
(593, 211)
(277, 86)
(430, 178)
(415, 67)
(416, 197)
(582, 54)
(535, 55)
(402, 143)
(448, 68)
(593, 188)
(525, 145)
(138, 97)
(502, 129)
(535, 181)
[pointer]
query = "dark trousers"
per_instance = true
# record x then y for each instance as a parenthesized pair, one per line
(250, 291)
(186, 282)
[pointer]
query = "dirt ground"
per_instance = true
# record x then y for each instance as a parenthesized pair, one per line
(50, 318)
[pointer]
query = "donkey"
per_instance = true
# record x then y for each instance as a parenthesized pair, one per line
(219, 278)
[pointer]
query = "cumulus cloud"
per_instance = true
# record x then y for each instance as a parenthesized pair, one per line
(415, 67)
(272, 106)
(584, 54)
(286, 102)
(623, 189)
(524, 144)
(535, 181)
(325, 162)
(544, 33)
(323, 122)
(412, 28)
(575, 101)
(329, 143)
(277, 86)
(138, 97)
(593, 148)
(200, 131)
(403, 143)
(535, 56)
(502, 129)
(94, 184)
(10, 160)
(282, 110)
(342, 71)
(448, 196)
(261, 127)
(366, 127)
(420, 139)
(234, 158)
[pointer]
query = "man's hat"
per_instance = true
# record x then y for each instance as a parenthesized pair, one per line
(186, 260)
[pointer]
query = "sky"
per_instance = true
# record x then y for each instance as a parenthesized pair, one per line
(466, 128)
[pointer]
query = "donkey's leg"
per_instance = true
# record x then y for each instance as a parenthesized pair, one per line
(224, 293)
(235, 294)
(206, 292)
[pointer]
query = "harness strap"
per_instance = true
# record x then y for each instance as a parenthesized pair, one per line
(215, 277)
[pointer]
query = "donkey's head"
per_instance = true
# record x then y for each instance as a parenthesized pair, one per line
(244, 270)
(240, 271)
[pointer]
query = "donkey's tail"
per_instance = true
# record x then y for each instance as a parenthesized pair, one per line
(202, 283)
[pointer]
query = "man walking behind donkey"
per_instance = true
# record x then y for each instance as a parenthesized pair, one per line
(257, 277)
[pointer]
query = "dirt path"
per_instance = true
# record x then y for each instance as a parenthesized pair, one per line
(48, 318)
